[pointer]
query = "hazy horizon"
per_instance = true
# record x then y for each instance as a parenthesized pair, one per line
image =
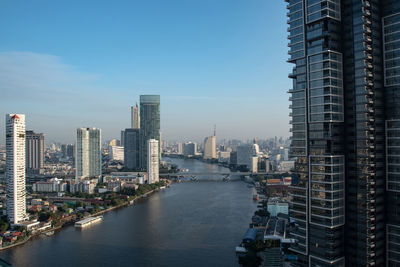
(83, 64)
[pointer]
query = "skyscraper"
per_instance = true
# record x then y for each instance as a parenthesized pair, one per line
(149, 124)
(153, 160)
(338, 128)
(34, 152)
(131, 149)
(135, 119)
(189, 149)
(391, 55)
(122, 138)
(210, 146)
(15, 168)
(88, 161)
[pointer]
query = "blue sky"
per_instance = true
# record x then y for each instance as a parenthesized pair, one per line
(69, 64)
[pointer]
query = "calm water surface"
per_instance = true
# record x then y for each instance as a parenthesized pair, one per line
(188, 224)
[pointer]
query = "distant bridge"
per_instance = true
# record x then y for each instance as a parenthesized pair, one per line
(210, 173)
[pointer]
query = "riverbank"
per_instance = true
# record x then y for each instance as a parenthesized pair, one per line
(128, 202)
(186, 224)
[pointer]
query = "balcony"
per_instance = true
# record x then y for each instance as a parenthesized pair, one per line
(366, 4)
(367, 39)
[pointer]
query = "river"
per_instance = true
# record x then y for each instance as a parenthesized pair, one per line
(189, 224)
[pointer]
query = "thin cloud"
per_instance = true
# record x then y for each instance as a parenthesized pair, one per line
(38, 76)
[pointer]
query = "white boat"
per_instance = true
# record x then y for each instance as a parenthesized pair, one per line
(49, 233)
(240, 249)
(88, 221)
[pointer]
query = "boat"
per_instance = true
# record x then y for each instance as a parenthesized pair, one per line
(49, 233)
(88, 221)
(256, 197)
(240, 250)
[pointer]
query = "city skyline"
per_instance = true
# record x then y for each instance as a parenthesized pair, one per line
(215, 71)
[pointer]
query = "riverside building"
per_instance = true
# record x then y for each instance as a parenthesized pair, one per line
(15, 168)
(189, 149)
(88, 159)
(345, 109)
(210, 148)
(153, 161)
(149, 125)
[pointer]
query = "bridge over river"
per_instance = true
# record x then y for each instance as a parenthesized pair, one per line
(207, 176)
(223, 173)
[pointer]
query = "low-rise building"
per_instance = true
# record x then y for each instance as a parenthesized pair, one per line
(52, 208)
(128, 177)
(52, 185)
(276, 206)
(83, 186)
(29, 225)
(36, 201)
(286, 166)
(224, 156)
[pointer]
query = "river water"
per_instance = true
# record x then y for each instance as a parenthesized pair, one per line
(189, 224)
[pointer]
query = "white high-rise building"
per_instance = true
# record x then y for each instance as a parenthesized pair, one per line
(152, 161)
(180, 149)
(210, 148)
(15, 168)
(88, 160)
(135, 119)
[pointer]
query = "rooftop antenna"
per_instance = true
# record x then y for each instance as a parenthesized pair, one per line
(215, 130)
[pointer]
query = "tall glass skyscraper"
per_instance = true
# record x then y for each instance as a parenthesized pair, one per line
(345, 54)
(391, 67)
(131, 149)
(149, 124)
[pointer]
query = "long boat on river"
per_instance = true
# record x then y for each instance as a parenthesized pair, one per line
(88, 221)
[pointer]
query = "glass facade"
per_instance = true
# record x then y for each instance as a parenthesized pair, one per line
(149, 125)
(131, 149)
(391, 52)
(345, 105)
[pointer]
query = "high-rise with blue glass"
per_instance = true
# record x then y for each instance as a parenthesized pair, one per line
(345, 131)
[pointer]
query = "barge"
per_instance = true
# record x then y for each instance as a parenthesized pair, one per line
(88, 221)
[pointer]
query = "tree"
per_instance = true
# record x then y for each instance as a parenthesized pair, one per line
(116, 201)
(64, 207)
(79, 204)
(259, 178)
(44, 216)
(95, 209)
(4, 225)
